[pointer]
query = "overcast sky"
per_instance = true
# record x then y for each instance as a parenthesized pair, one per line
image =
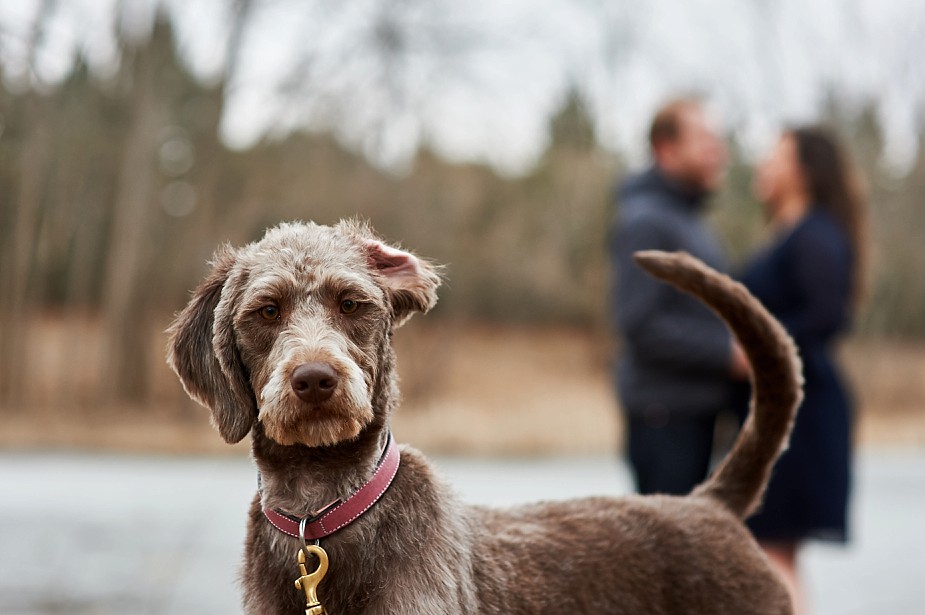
(478, 80)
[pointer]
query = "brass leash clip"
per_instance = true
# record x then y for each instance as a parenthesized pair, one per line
(309, 582)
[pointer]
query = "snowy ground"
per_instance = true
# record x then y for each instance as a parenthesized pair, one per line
(100, 534)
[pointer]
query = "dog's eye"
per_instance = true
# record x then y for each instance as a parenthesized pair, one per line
(269, 312)
(349, 306)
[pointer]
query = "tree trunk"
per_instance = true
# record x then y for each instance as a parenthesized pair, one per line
(126, 314)
(15, 297)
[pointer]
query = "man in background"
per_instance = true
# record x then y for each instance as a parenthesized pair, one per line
(677, 359)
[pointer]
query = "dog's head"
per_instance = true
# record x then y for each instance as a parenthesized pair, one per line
(293, 330)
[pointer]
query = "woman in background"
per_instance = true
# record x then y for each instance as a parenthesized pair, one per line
(809, 278)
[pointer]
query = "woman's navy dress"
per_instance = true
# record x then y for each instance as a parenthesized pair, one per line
(805, 280)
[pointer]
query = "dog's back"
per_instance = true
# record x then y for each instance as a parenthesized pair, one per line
(652, 555)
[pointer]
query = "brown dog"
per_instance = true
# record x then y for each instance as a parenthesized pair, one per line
(289, 340)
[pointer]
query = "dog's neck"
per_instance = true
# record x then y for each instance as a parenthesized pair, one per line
(301, 480)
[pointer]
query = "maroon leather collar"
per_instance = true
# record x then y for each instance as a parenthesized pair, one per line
(343, 512)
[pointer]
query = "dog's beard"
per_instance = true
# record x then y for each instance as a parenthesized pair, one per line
(313, 430)
(289, 420)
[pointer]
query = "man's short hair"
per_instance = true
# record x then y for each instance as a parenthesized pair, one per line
(666, 125)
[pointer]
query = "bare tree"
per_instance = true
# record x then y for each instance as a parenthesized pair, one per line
(240, 14)
(15, 298)
(126, 306)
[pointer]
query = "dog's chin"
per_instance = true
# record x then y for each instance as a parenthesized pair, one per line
(314, 426)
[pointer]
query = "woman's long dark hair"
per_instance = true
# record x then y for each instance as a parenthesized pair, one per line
(832, 185)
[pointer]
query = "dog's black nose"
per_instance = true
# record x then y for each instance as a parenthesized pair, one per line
(314, 382)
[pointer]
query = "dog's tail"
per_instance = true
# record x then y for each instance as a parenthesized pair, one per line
(740, 481)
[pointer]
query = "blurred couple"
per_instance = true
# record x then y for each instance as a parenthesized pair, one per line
(679, 367)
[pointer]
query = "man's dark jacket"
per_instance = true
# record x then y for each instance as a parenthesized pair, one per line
(675, 353)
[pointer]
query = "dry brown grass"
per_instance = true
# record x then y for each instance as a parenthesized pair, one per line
(468, 390)
(510, 391)
(888, 378)
(524, 391)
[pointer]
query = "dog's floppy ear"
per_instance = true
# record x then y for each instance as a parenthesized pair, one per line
(411, 282)
(204, 356)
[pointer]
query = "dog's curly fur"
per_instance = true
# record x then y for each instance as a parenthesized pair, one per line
(419, 550)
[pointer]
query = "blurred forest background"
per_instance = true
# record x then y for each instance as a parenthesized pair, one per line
(116, 186)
